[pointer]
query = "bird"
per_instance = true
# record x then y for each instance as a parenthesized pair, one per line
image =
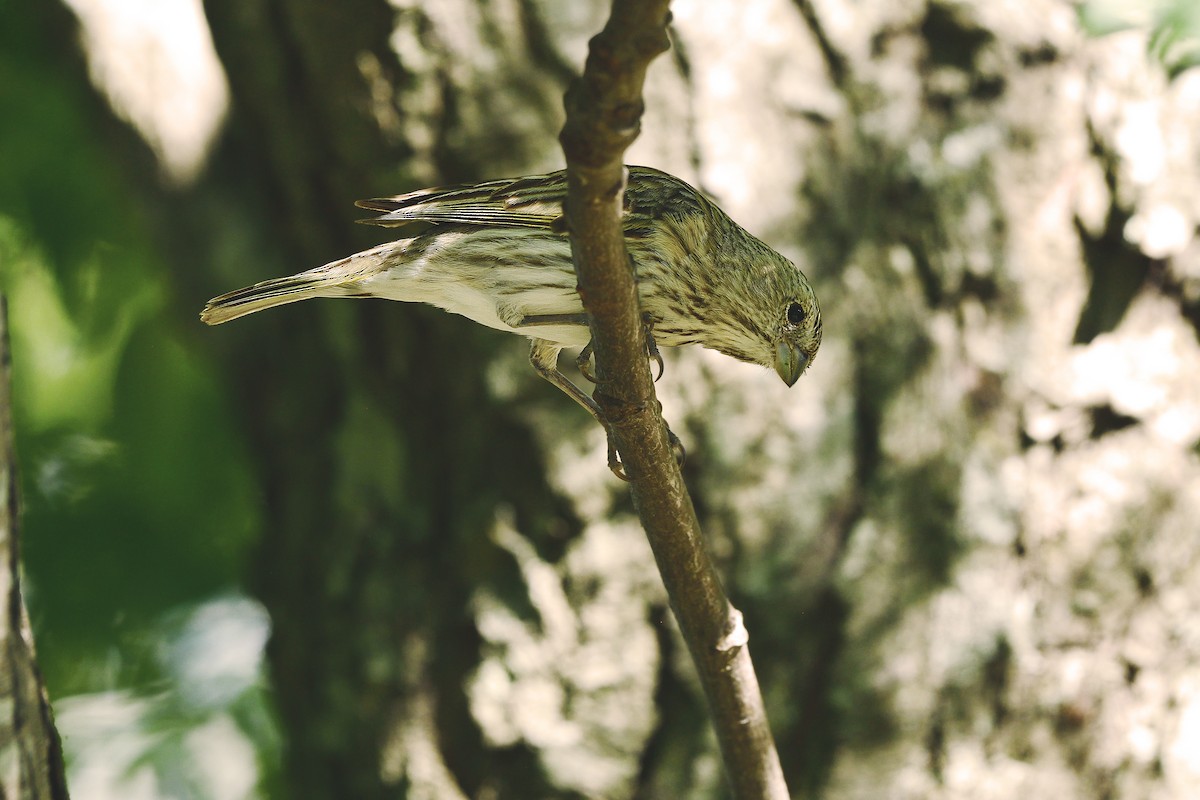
(499, 254)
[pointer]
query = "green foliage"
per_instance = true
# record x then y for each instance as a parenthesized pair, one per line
(1174, 27)
(137, 495)
(206, 731)
(138, 498)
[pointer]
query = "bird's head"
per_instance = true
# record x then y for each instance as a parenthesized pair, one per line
(797, 334)
(770, 315)
(707, 281)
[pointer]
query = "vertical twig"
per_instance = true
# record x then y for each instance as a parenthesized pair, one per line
(604, 110)
(29, 743)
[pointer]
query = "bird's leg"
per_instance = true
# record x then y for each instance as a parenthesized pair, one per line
(584, 362)
(543, 355)
(652, 350)
(652, 353)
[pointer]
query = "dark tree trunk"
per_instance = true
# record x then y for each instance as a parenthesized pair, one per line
(384, 456)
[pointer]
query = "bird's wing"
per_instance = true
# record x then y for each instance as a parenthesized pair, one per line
(651, 194)
(530, 202)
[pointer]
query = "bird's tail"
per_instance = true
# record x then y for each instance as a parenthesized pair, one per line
(336, 279)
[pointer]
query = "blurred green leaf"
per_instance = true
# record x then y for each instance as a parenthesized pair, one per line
(64, 375)
(1175, 41)
(205, 730)
(138, 495)
(1173, 26)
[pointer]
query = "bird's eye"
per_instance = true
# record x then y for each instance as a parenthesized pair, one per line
(795, 314)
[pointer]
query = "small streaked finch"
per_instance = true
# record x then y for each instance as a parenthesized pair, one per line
(499, 253)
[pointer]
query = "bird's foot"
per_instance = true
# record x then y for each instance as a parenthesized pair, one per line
(584, 361)
(652, 346)
(618, 467)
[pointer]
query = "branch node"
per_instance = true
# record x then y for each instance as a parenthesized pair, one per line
(627, 118)
(736, 634)
(653, 43)
(618, 412)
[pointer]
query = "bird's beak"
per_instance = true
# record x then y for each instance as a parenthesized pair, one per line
(790, 362)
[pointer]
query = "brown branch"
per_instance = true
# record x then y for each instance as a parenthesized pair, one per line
(604, 110)
(28, 738)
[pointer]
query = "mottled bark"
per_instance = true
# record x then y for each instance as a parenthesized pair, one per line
(383, 455)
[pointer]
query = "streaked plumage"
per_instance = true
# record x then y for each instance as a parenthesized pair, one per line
(498, 253)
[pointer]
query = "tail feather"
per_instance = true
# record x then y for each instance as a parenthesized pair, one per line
(267, 294)
(336, 279)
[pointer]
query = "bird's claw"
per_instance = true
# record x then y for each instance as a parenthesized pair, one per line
(677, 448)
(618, 467)
(652, 346)
(614, 461)
(584, 362)
(657, 358)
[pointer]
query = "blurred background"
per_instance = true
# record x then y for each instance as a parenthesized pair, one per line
(357, 549)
